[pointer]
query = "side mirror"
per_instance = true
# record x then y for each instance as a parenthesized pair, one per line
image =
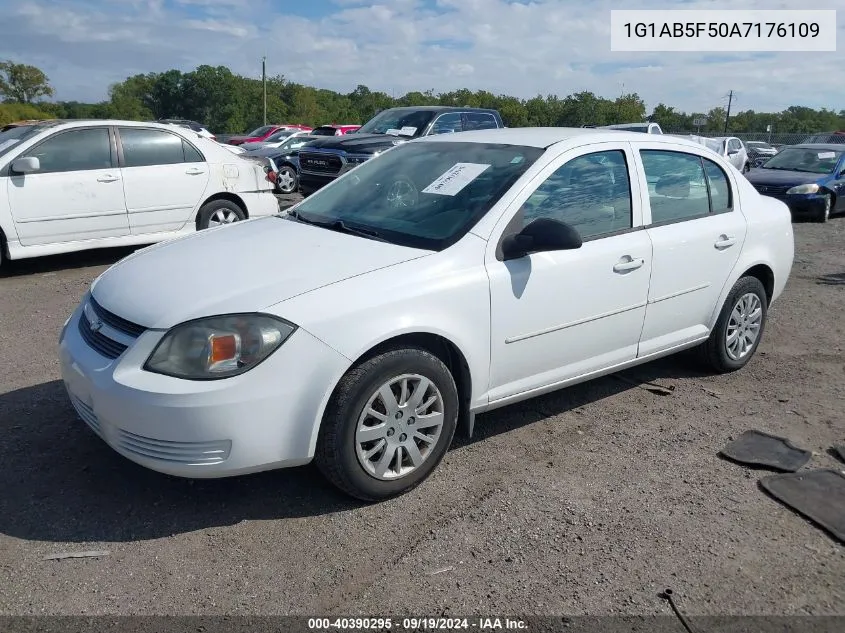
(542, 235)
(26, 165)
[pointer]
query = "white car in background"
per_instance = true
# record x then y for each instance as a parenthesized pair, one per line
(448, 276)
(74, 185)
(728, 147)
(272, 141)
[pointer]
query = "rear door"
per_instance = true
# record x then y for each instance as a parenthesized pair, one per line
(75, 195)
(697, 232)
(164, 179)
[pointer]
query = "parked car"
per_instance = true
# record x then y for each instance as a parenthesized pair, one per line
(809, 178)
(335, 130)
(729, 147)
(274, 140)
(73, 185)
(199, 128)
(432, 283)
(644, 127)
(328, 158)
(285, 161)
(264, 132)
(759, 152)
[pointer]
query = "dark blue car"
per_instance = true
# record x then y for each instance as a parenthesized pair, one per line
(809, 178)
(286, 160)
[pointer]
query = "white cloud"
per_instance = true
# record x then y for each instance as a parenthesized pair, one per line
(518, 48)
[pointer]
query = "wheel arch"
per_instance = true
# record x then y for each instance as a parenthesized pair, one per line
(435, 343)
(223, 195)
(761, 270)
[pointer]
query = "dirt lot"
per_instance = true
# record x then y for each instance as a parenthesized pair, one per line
(587, 501)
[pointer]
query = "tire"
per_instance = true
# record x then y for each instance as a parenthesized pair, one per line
(218, 213)
(287, 173)
(715, 352)
(341, 458)
(824, 213)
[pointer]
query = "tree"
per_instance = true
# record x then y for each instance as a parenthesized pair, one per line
(22, 83)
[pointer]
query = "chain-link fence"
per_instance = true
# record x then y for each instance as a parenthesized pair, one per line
(770, 138)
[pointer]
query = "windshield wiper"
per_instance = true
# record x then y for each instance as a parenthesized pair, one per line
(340, 226)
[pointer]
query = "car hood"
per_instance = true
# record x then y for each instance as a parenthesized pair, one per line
(357, 143)
(243, 267)
(269, 152)
(760, 176)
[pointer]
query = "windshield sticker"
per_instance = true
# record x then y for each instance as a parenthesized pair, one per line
(516, 160)
(456, 178)
(827, 154)
(408, 130)
(394, 131)
(8, 143)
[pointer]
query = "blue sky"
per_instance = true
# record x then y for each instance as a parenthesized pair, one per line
(515, 47)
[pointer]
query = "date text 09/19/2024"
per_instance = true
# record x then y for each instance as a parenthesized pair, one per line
(325, 625)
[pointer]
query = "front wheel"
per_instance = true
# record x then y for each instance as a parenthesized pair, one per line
(823, 214)
(388, 424)
(739, 328)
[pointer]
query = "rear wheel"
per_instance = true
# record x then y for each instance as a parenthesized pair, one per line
(286, 179)
(739, 328)
(388, 424)
(218, 213)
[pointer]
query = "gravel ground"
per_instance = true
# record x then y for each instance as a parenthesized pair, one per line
(587, 501)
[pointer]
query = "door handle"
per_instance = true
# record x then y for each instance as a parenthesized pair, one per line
(725, 241)
(194, 171)
(627, 264)
(107, 178)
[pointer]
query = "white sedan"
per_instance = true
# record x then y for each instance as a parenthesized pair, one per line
(73, 185)
(448, 276)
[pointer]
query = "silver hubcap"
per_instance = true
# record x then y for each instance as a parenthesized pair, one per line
(399, 427)
(827, 208)
(744, 326)
(285, 180)
(222, 216)
(402, 195)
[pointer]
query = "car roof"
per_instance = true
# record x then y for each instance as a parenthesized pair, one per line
(833, 147)
(544, 137)
(440, 108)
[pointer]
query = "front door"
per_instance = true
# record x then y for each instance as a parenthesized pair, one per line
(559, 315)
(697, 233)
(76, 194)
(164, 177)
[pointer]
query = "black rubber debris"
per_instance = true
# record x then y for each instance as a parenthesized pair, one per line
(755, 448)
(818, 495)
(839, 451)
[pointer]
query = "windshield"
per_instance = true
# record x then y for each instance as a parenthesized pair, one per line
(325, 130)
(11, 137)
(423, 195)
(399, 122)
(261, 131)
(813, 161)
(278, 136)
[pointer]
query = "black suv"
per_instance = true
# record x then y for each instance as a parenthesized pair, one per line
(325, 159)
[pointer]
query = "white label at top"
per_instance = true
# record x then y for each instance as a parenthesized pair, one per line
(722, 31)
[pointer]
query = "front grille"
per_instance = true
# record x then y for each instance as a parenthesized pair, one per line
(771, 190)
(100, 342)
(320, 162)
(122, 325)
(192, 453)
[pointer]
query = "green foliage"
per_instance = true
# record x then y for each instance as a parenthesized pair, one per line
(230, 103)
(11, 112)
(22, 83)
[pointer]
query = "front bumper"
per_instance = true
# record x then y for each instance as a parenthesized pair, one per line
(266, 418)
(804, 204)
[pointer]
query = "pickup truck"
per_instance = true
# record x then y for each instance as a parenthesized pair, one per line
(325, 159)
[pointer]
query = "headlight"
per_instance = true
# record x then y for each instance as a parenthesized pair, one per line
(218, 347)
(357, 160)
(810, 188)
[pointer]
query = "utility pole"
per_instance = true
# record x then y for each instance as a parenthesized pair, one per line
(264, 82)
(728, 115)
